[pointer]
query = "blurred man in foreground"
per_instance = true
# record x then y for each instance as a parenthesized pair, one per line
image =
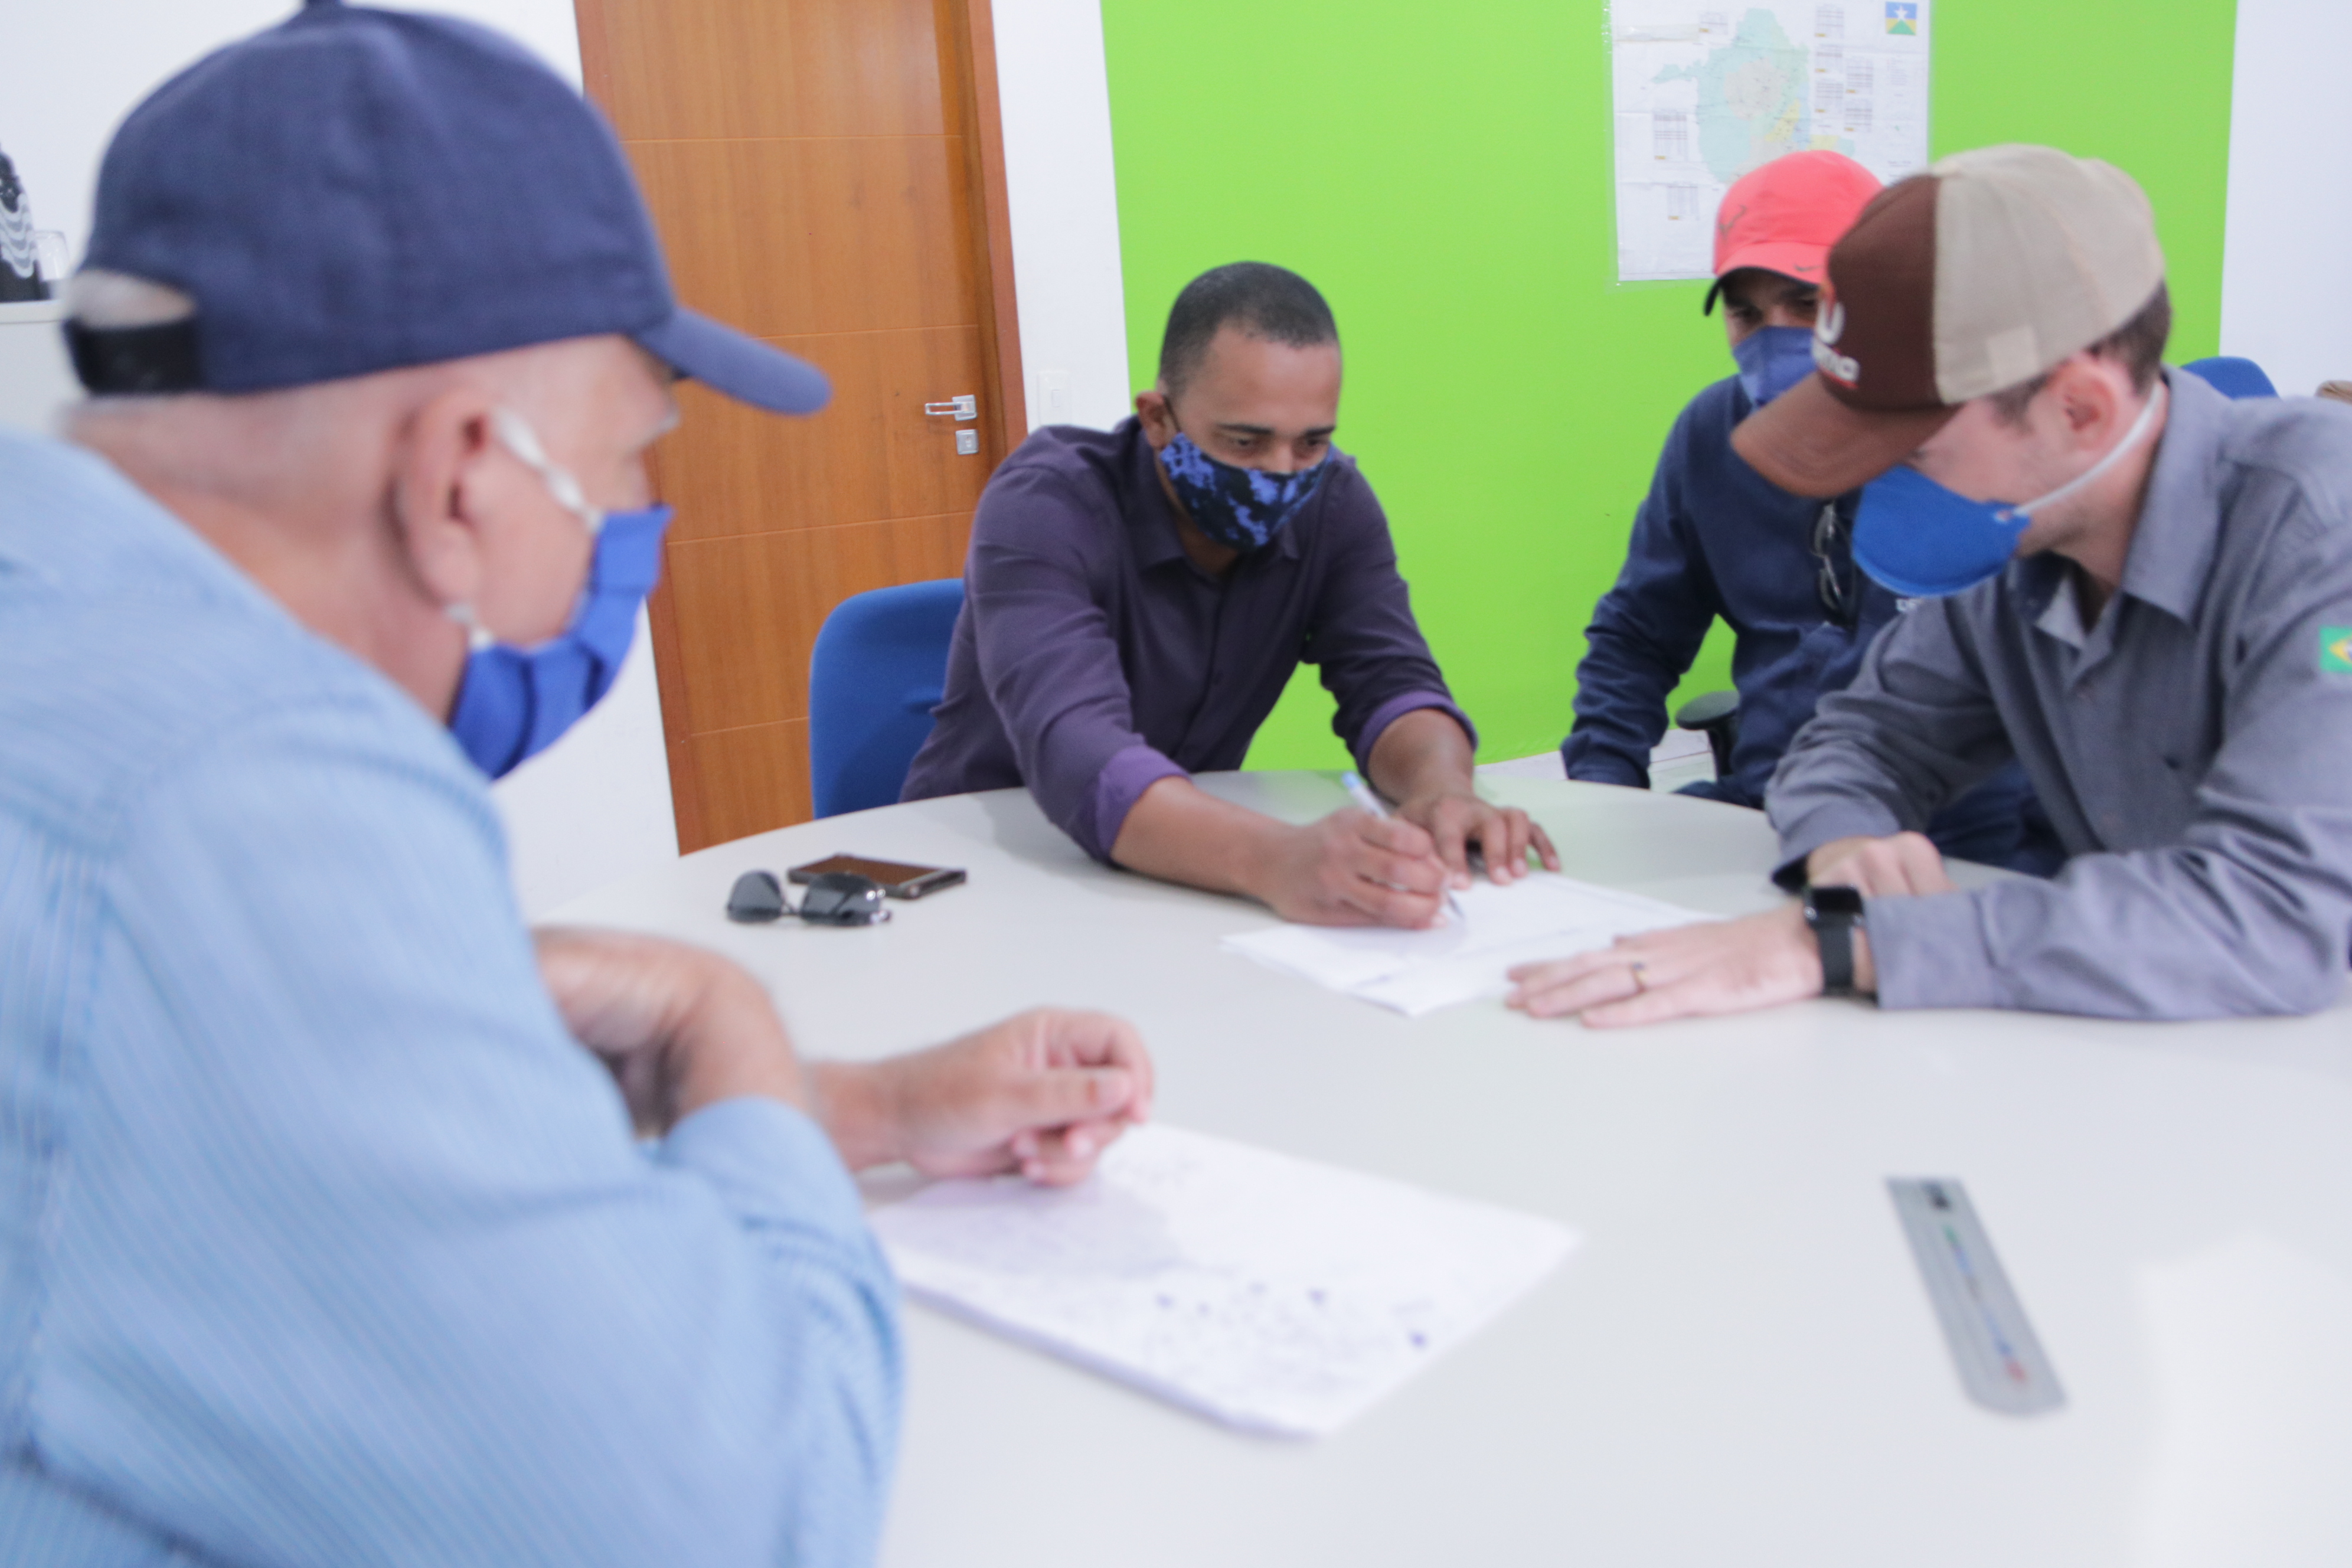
(321, 1238)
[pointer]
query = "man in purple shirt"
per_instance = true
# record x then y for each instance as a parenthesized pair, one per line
(1135, 601)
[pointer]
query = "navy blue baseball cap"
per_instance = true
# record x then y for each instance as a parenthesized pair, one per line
(358, 190)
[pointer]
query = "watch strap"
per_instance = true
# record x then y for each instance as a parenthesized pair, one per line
(1833, 929)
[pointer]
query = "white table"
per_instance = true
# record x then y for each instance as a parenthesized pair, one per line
(1739, 1367)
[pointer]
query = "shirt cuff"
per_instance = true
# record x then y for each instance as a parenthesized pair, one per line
(1396, 708)
(1117, 787)
(1930, 951)
(769, 1164)
(1592, 763)
(1838, 817)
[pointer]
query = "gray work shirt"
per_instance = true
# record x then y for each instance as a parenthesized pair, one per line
(2192, 745)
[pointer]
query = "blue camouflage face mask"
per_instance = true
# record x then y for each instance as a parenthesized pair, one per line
(1241, 509)
(514, 702)
(1925, 542)
(1771, 360)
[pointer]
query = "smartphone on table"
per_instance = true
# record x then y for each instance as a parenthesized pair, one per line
(898, 880)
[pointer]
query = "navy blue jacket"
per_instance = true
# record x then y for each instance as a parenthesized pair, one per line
(1715, 538)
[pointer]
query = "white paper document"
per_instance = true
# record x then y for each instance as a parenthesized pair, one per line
(1543, 915)
(1275, 1294)
(1705, 90)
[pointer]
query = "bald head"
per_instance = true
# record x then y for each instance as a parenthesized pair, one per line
(372, 507)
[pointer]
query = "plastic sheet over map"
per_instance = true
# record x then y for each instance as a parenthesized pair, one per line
(1705, 90)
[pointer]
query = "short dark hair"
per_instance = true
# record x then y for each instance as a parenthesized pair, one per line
(2138, 345)
(1266, 302)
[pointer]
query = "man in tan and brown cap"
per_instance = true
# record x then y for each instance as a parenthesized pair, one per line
(2162, 635)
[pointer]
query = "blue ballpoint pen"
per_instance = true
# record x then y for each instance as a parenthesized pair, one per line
(1362, 795)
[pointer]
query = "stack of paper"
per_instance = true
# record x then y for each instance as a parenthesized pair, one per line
(1272, 1293)
(1542, 915)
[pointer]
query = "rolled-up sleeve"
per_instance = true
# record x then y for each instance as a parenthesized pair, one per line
(1050, 662)
(1369, 649)
(2250, 913)
(1918, 727)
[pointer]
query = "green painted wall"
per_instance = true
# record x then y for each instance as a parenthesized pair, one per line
(1442, 172)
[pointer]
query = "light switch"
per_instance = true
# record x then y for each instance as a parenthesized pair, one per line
(967, 443)
(1054, 396)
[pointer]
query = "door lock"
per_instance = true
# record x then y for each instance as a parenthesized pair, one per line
(961, 408)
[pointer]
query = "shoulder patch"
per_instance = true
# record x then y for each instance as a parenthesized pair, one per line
(2336, 650)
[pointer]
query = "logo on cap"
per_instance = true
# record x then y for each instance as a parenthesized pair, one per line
(1844, 369)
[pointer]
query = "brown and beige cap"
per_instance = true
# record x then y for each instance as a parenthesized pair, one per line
(1981, 273)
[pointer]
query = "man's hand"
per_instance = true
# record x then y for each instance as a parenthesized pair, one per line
(1907, 864)
(1352, 868)
(680, 1027)
(1721, 966)
(1455, 819)
(1043, 1093)
(1424, 759)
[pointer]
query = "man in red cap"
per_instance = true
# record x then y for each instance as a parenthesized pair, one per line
(2136, 587)
(1716, 539)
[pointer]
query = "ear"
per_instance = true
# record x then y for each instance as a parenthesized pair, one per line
(1159, 420)
(2090, 399)
(446, 481)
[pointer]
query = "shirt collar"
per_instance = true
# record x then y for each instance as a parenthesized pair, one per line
(2179, 524)
(1151, 518)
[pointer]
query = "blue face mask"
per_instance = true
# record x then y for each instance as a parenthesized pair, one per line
(1773, 359)
(1925, 542)
(515, 701)
(1241, 509)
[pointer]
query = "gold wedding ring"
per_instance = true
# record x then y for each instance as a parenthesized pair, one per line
(1640, 985)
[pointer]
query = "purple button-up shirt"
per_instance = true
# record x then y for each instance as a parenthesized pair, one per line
(1093, 659)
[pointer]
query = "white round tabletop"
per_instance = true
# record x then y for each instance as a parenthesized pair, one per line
(1740, 1364)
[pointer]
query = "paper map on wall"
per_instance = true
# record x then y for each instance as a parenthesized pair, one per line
(1704, 90)
(1276, 1294)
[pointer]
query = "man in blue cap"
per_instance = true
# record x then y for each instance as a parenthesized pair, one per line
(322, 1238)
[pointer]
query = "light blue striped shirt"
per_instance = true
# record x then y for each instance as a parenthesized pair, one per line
(320, 1241)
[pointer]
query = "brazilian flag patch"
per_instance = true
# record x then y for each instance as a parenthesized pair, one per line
(2336, 650)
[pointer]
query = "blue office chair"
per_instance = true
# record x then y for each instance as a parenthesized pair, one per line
(879, 668)
(2233, 377)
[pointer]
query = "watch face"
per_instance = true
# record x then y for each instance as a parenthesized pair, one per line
(1834, 900)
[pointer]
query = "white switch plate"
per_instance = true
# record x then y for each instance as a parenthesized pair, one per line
(967, 443)
(1054, 396)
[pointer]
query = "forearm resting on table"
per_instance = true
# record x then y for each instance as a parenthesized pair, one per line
(853, 1102)
(1179, 832)
(1422, 753)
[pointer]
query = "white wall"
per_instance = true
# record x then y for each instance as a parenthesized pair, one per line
(2289, 247)
(36, 379)
(1065, 209)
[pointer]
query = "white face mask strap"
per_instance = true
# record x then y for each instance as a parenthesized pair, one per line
(2115, 455)
(477, 635)
(515, 435)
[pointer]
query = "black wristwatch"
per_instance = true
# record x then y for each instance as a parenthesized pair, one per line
(1834, 912)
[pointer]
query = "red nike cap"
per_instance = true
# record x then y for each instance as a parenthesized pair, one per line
(1784, 216)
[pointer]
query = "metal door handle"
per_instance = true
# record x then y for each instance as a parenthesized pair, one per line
(964, 408)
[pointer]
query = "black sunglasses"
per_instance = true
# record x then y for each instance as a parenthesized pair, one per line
(833, 898)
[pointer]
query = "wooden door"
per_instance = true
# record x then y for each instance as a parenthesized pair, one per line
(828, 176)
